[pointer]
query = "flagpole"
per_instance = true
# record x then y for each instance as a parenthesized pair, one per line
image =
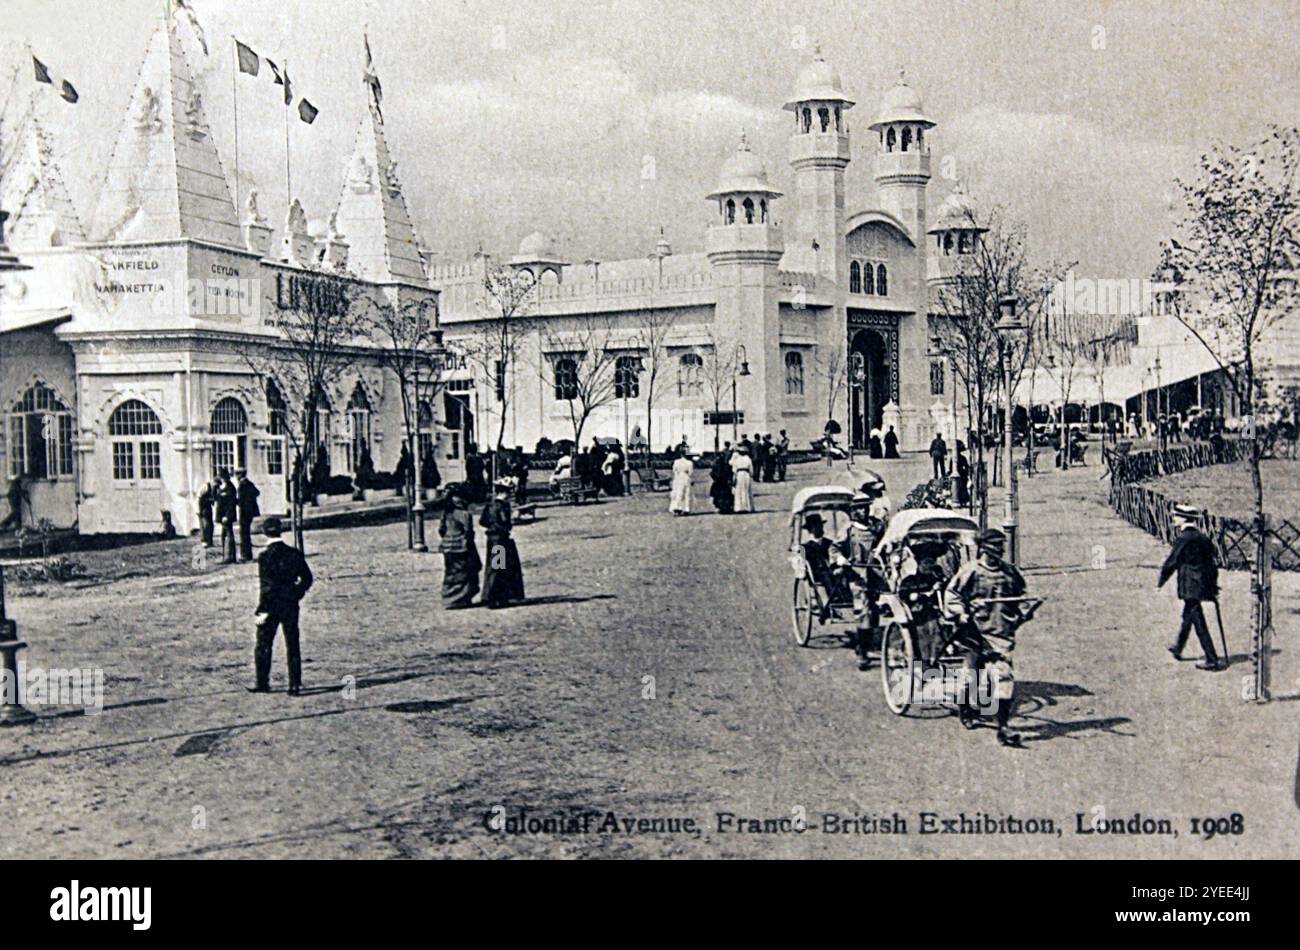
(234, 92)
(288, 179)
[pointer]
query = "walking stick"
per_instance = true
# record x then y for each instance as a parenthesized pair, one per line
(1219, 616)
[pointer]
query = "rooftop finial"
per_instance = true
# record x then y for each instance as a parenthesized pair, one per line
(817, 49)
(902, 75)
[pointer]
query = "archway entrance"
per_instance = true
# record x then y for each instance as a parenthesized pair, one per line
(868, 384)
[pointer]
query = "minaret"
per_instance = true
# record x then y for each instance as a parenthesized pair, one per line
(819, 154)
(41, 213)
(903, 157)
(165, 179)
(745, 246)
(953, 238)
(372, 213)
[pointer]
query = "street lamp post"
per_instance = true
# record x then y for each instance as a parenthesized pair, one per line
(741, 358)
(1009, 328)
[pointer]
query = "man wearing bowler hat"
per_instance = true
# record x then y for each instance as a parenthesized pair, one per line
(1192, 556)
(284, 579)
(246, 496)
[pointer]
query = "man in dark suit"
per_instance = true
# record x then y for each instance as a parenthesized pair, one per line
(246, 494)
(207, 499)
(227, 512)
(1192, 556)
(284, 579)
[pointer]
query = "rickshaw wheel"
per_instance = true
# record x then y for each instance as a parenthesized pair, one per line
(897, 666)
(801, 612)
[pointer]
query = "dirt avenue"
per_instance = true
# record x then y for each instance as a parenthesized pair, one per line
(647, 700)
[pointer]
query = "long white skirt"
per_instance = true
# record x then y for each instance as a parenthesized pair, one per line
(681, 500)
(744, 495)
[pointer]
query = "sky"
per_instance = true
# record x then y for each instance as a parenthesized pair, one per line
(599, 121)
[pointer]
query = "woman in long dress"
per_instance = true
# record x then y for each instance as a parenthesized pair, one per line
(460, 560)
(681, 500)
(742, 469)
(720, 491)
(503, 578)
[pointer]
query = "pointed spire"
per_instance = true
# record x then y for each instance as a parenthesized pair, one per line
(165, 179)
(41, 213)
(372, 211)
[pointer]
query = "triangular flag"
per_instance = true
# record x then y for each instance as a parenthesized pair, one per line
(371, 79)
(194, 22)
(288, 88)
(249, 62)
(307, 112)
(68, 93)
(42, 73)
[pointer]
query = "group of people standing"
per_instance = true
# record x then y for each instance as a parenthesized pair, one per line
(227, 502)
(734, 471)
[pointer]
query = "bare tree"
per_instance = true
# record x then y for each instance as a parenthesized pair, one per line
(494, 346)
(1232, 263)
(315, 341)
(408, 332)
(580, 363)
(719, 373)
(651, 339)
(967, 312)
(831, 366)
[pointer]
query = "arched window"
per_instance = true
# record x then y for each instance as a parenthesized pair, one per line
(321, 424)
(837, 118)
(359, 427)
(824, 117)
(730, 214)
(920, 139)
(40, 435)
(907, 137)
(749, 210)
(137, 451)
(807, 119)
(947, 243)
(566, 378)
(627, 377)
(229, 428)
(882, 281)
(855, 278)
(762, 207)
(794, 373)
(690, 376)
(890, 139)
(963, 242)
(279, 426)
(868, 278)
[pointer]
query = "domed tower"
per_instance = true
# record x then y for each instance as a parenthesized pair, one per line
(955, 235)
(744, 246)
(903, 157)
(819, 154)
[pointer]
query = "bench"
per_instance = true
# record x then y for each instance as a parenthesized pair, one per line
(572, 490)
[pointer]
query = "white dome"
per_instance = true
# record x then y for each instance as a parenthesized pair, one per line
(956, 211)
(901, 104)
(536, 247)
(743, 172)
(818, 81)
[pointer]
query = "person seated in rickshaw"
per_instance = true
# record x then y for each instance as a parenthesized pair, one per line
(986, 632)
(830, 568)
(926, 567)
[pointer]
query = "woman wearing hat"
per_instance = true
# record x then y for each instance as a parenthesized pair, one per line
(742, 475)
(680, 504)
(460, 559)
(503, 578)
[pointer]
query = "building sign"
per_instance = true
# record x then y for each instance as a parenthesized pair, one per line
(724, 417)
(318, 295)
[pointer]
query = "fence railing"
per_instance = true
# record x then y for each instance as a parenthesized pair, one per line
(1144, 507)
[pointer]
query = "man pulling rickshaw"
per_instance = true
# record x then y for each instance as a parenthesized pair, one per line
(986, 599)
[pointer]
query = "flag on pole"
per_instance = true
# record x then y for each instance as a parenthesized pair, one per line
(371, 79)
(67, 91)
(307, 112)
(249, 62)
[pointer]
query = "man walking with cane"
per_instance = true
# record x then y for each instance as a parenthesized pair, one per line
(1192, 556)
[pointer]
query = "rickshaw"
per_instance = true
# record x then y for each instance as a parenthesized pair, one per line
(919, 655)
(812, 599)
